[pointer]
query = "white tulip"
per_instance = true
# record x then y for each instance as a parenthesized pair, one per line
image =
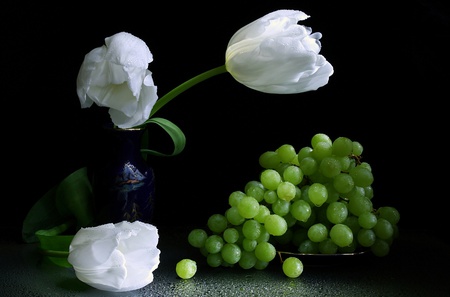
(116, 76)
(115, 257)
(274, 54)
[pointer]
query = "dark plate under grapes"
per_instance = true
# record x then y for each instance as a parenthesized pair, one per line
(327, 259)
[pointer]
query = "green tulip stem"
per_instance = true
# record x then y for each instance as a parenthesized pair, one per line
(186, 85)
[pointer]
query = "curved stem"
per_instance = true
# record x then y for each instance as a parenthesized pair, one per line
(186, 85)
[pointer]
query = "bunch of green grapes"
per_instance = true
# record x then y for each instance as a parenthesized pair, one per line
(317, 200)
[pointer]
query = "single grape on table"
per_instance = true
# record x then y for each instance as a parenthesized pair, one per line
(317, 199)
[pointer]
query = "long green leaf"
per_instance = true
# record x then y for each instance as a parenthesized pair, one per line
(42, 215)
(74, 198)
(70, 199)
(175, 133)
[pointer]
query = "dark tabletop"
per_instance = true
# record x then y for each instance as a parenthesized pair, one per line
(417, 265)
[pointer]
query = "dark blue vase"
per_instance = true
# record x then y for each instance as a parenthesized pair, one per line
(122, 182)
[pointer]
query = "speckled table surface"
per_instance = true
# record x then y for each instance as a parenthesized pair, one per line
(418, 265)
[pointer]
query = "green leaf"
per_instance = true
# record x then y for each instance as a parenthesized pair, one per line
(55, 245)
(70, 199)
(42, 215)
(178, 137)
(74, 198)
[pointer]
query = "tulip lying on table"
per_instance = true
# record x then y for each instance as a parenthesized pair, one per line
(115, 257)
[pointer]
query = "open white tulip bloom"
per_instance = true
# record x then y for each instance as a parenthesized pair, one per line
(115, 257)
(274, 54)
(115, 75)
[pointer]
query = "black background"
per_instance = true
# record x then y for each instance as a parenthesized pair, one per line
(388, 92)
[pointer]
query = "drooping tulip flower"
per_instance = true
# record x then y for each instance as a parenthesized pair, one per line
(274, 54)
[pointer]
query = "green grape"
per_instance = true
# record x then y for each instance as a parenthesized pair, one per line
(197, 237)
(233, 216)
(270, 196)
(248, 207)
(308, 246)
(298, 193)
(355, 192)
(366, 237)
(293, 174)
(308, 165)
(380, 248)
(330, 167)
(305, 195)
(322, 150)
(269, 159)
(311, 220)
(217, 223)
(292, 267)
(341, 235)
(186, 268)
(357, 148)
(342, 146)
(352, 222)
(281, 207)
(318, 200)
(333, 195)
(264, 236)
(251, 229)
(247, 260)
(301, 210)
(383, 229)
(361, 176)
(350, 248)
(389, 213)
(367, 220)
(255, 189)
(286, 152)
(231, 253)
(290, 220)
(214, 243)
(318, 177)
(261, 265)
(294, 161)
(253, 183)
(263, 212)
(366, 165)
(317, 232)
(360, 205)
(337, 212)
(265, 251)
(328, 246)
(230, 235)
(317, 194)
(368, 192)
(275, 225)
(345, 162)
(286, 191)
(214, 260)
(235, 197)
(281, 167)
(270, 179)
(249, 244)
(303, 153)
(320, 137)
(343, 183)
